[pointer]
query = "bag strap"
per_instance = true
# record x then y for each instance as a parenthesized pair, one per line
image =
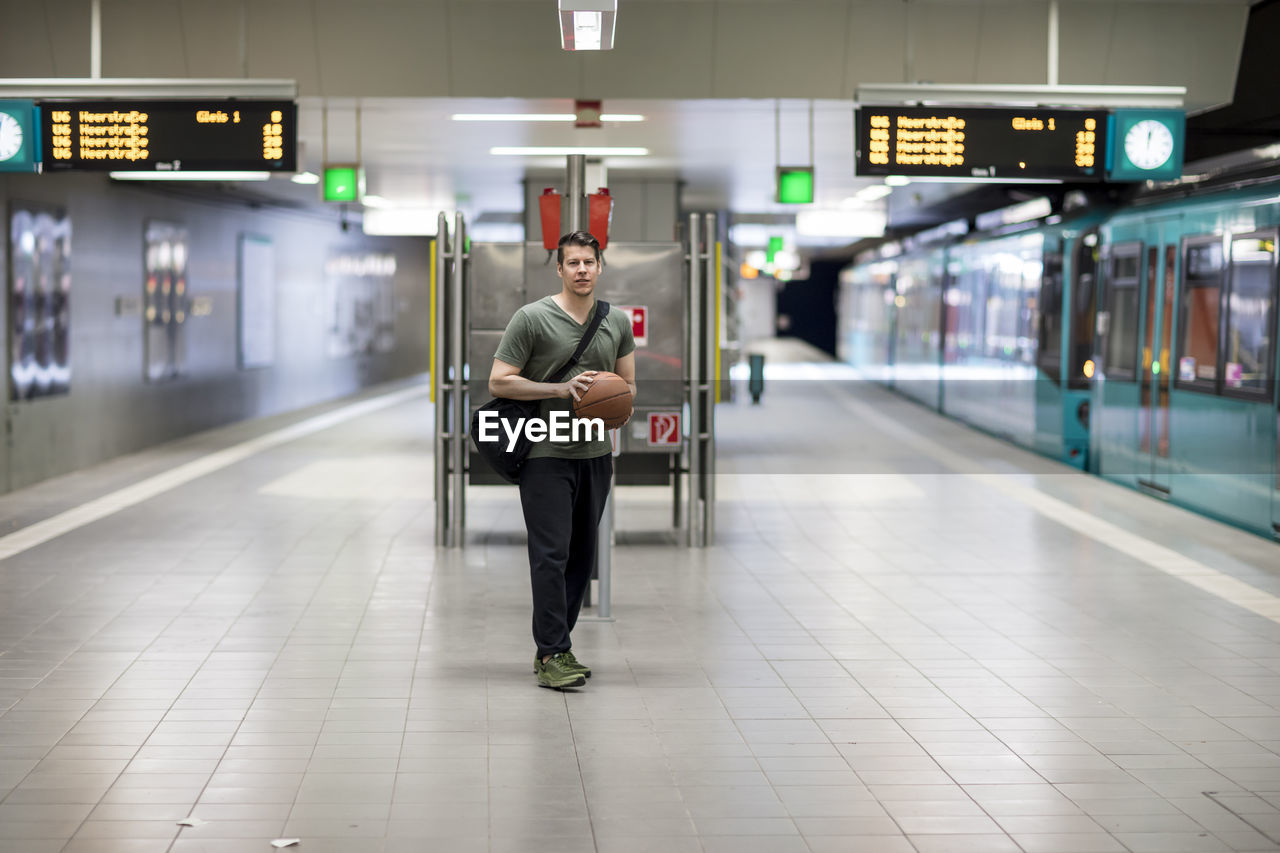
(602, 308)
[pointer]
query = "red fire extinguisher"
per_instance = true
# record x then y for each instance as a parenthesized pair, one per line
(599, 215)
(549, 209)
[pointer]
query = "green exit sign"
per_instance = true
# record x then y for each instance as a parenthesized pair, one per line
(343, 183)
(775, 246)
(795, 184)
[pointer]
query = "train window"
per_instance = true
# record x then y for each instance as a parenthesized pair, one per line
(1122, 311)
(1250, 316)
(1083, 308)
(1198, 327)
(1125, 266)
(1049, 352)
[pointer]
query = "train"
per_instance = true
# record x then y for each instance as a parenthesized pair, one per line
(1134, 339)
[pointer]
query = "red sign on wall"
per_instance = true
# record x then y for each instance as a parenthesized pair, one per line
(639, 315)
(664, 429)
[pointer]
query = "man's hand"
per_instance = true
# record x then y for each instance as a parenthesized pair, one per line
(578, 385)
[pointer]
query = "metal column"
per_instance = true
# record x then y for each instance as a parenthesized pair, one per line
(702, 352)
(575, 180)
(711, 330)
(575, 193)
(450, 384)
(441, 381)
(460, 402)
(696, 350)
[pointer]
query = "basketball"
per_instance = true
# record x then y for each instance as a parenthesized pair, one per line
(608, 398)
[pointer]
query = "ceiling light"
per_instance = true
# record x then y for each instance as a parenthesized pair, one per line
(897, 180)
(306, 178)
(375, 201)
(873, 192)
(540, 117)
(840, 223)
(513, 116)
(190, 176)
(400, 222)
(587, 24)
(565, 150)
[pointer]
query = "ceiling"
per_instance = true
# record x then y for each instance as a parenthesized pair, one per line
(725, 151)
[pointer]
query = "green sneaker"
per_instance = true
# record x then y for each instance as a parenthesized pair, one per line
(555, 673)
(570, 663)
(574, 664)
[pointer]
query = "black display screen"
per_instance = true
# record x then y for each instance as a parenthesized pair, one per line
(179, 136)
(976, 142)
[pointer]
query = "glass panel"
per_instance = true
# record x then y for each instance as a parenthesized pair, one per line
(1144, 416)
(1083, 309)
(1122, 308)
(1014, 269)
(965, 294)
(1125, 267)
(1166, 330)
(1249, 315)
(1201, 296)
(1050, 303)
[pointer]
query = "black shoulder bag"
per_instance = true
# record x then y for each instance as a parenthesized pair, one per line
(507, 462)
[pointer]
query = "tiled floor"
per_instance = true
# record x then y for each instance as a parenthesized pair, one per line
(887, 650)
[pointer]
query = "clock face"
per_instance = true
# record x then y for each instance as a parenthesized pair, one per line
(10, 137)
(1148, 144)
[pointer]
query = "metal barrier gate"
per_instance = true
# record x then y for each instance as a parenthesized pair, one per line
(672, 293)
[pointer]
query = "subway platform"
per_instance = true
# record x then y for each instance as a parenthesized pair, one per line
(908, 636)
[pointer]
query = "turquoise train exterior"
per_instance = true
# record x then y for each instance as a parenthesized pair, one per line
(1136, 343)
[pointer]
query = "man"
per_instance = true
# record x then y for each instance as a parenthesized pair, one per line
(563, 485)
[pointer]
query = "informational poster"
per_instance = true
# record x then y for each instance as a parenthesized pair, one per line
(360, 299)
(166, 304)
(39, 301)
(257, 302)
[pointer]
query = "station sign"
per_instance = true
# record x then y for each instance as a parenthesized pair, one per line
(176, 136)
(664, 429)
(981, 142)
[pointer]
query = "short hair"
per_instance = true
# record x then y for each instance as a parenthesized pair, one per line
(578, 238)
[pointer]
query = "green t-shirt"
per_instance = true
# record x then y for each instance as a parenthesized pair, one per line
(540, 338)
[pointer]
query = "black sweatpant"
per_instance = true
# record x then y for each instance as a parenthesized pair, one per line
(563, 500)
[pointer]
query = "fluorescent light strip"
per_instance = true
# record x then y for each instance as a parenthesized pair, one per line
(190, 176)
(514, 117)
(559, 151)
(541, 117)
(586, 30)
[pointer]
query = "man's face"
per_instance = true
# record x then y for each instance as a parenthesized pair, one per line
(579, 270)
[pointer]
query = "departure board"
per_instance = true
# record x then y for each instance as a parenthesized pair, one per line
(179, 136)
(976, 142)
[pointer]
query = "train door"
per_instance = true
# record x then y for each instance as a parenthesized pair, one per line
(1160, 266)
